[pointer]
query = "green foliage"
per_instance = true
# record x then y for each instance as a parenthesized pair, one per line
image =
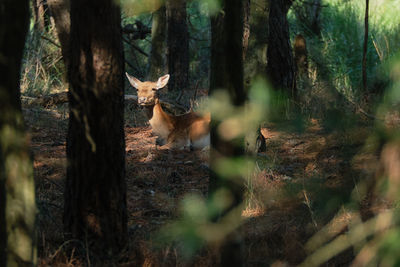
(197, 226)
(337, 53)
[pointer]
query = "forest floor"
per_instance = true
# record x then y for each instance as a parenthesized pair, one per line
(297, 188)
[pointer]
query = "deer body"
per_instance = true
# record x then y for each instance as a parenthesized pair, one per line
(176, 132)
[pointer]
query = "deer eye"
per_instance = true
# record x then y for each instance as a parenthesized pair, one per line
(154, 89)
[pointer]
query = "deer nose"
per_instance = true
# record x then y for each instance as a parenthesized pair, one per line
(142, 100)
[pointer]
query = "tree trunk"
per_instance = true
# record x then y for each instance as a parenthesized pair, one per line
(226, 68)
(41, 15)
(314, 14)
(17, 190)
(95, 191)
(256, 55)
(60, 11)
(157, 58)
(280, 67)
(365, 48)
(227, 74)
(177, 45)
(246, 27)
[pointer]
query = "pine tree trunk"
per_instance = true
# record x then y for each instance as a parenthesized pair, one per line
(227, 74)
(314, 14)
(41, 15)
(256, 56)
(157, 58)
(246, 27)
(177, 45)
(17, 190)
(365, 48)
(95, 191)
(280, 67)
(60, 11)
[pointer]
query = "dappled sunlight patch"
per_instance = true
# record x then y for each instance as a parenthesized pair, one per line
(136, 7)
(253, 212)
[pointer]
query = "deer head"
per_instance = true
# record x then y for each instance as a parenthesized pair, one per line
(147, 91)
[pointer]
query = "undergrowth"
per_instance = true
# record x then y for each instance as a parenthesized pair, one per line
(43, 71)
(336, 55)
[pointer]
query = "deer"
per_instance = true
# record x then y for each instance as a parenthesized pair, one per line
(182, 132)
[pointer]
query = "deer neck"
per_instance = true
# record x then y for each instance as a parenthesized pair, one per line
(161, 122)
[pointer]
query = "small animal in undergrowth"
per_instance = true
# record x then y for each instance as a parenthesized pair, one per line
(187, 131)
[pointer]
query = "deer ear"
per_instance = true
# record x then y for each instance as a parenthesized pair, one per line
(162, 81)
(133, 81)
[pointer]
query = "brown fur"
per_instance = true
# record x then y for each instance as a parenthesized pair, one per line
(177, 132)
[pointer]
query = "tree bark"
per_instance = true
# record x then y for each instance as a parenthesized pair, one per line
(365, 47)
(280, 67)
(17, 190)
(177, 45)
(314, 14)
(95, 191)
(246, 27)
(60, 11)
(227, 74)
(157, 58)
(256, 55)
(41, 15)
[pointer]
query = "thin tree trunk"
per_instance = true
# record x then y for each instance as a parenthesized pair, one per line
(178, 45)
(60, 11)
(256, 56)
(95, 191)
(41, 15)
(157, 60)
(315, 13)
(17, 190)
(217, 75)
(280, 67)
(246, 27)
(227, 74)
(365, 48)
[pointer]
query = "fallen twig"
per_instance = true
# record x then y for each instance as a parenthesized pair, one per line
(50, 41)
